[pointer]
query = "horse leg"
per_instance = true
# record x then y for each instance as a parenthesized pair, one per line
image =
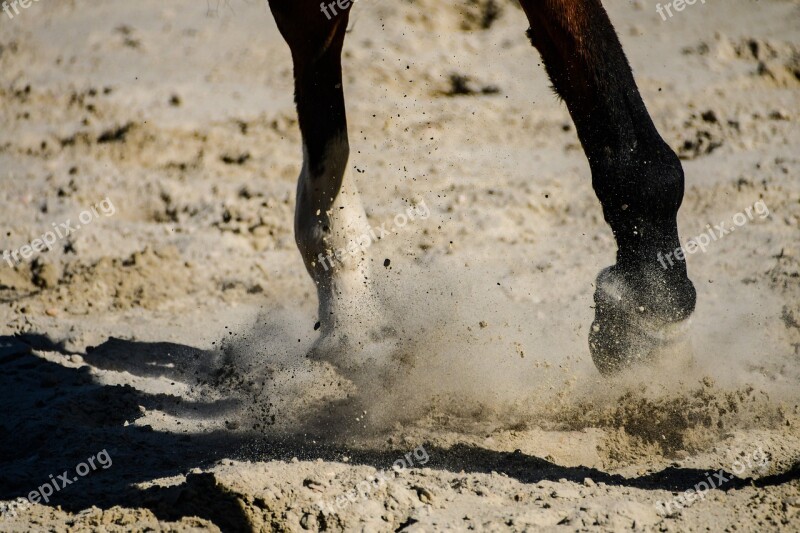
(330, 222)
(638, 179)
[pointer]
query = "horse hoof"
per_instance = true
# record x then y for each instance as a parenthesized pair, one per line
(362, 358)
(626, 330)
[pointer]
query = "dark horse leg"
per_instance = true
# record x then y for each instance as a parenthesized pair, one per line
(330, 222)
(636, 176)
(638, 179)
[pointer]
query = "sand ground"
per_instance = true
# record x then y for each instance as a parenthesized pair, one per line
(169, 330)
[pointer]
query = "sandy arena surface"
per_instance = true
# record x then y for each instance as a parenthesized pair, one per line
(165, 336)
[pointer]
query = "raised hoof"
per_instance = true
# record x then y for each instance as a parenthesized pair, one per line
(629, 328)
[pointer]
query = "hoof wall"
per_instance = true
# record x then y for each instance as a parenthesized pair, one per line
(625, 332)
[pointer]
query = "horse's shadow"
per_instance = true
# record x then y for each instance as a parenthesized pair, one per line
(54, 417)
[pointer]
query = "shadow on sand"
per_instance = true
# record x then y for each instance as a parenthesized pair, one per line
(54, 417)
